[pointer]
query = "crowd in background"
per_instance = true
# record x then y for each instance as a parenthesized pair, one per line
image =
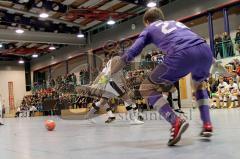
(224, 45)
(35, 101)
(224, 91)
(64, 83)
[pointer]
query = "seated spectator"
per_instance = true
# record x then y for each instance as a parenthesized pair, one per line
(32, 110)
(233, 93)
(222, 92)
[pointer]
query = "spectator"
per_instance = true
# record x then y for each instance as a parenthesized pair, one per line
(32, 110)
(148, 56)
(3, 111)
(174, 98)
(233, 93)
(18, 112)
(227, 45)
(237, 40)
(81, 74)
(52, 83)
(222, 91)
(218, 46)
(74, 79)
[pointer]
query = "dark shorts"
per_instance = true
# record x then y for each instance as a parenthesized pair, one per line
(196, 60)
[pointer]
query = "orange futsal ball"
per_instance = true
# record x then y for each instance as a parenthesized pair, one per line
(50, 125)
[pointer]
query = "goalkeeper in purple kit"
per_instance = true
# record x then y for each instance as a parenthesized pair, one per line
(186, 52)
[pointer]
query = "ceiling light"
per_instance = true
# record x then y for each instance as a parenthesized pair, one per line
(23, 1)
(19, 31)
(21, 61)
(111, 21)
(52, 48)
(35, 55)
(1, 45)
(43, 15)
(80, 35)
(151, 4)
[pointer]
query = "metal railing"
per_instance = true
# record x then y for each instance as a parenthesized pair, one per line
(227, 48)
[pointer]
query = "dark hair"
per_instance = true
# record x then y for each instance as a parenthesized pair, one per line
(152, 15)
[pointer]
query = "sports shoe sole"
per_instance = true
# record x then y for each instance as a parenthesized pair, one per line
(110, 121)
(136, 123)
(206, 134)
(181, 131)
(92, 121)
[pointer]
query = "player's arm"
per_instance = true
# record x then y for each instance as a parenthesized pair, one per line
(137, 47)
(134, 51)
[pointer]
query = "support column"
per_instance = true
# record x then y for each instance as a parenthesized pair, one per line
(28, 80)
(226, 21)
(90, 64)
(50, 72)
(211, 32)
(66, 62)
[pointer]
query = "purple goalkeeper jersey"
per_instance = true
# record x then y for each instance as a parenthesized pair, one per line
(169, 36)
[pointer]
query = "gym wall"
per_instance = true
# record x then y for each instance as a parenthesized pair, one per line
(12, 72)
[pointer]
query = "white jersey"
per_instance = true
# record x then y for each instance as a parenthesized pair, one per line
(117, 77)
(233, 88)
(222, 87)
(104, 78)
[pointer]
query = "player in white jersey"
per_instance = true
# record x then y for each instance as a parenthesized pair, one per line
(233, 93)
(106, 87)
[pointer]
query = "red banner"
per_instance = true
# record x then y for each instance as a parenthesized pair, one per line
(11, 95)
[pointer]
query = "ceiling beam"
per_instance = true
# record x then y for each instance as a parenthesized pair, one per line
(37, 16)
(112, 8)
(40, 37)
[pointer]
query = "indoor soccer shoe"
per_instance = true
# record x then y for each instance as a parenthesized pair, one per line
(110, 119)
(179, 111)
(177, 130)
(136, 122)
(92, 121)
(207, 130)
(140, 117)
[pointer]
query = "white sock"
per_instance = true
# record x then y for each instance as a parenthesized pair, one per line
(93, 110)
(109, 112)
(175, 99)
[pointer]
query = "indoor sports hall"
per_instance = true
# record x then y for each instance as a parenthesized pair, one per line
(139, 79)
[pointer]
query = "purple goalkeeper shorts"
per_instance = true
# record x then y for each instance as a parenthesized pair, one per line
(196, 60)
